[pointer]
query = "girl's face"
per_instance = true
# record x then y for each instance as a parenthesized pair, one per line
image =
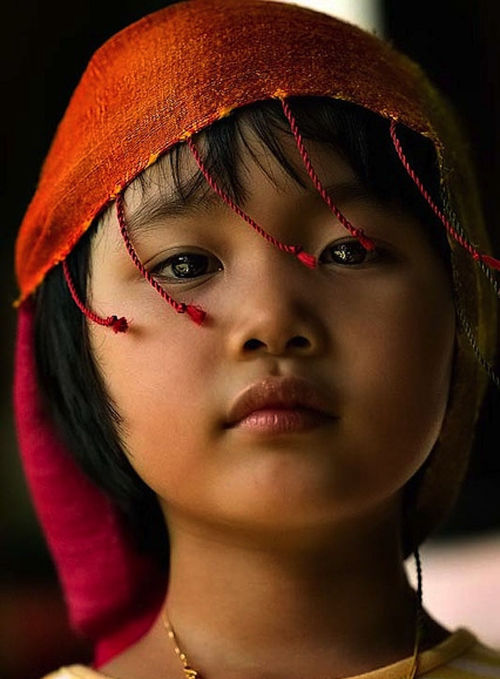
(373, 332)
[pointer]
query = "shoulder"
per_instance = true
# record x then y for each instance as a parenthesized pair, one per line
(475, 661)
(75, 672)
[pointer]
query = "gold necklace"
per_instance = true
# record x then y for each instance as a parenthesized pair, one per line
(191, 673)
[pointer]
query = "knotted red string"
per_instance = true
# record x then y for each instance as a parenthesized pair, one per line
(296, 250)
(121, 324)
(195, 313)
(117, 324)
(358, 233)
(489, 261)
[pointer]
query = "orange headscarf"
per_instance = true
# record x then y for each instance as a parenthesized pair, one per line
(155, 84)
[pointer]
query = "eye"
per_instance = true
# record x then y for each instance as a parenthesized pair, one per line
(186, 266)
(349, 252)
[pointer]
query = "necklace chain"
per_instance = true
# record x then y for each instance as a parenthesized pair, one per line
(189, 672)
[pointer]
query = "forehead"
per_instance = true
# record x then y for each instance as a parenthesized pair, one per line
(256, 143)
(174, 188)
(272, 186)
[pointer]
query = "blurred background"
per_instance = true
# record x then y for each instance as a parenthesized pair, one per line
(45, 47)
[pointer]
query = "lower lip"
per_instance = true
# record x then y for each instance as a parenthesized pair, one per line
(282, 421)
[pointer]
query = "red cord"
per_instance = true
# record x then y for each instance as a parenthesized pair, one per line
(476, 255)
(297, 250)
(195, 313)
(117, 324)
(358, 233)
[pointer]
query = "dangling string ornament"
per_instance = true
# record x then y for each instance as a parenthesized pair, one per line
(296, 250)
(488, 264)
(196, 314)
(488, 260)
(113, 322)
(461, 315)
(357, 232)
(121, 324)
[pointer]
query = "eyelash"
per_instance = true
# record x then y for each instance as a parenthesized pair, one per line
(343, 246)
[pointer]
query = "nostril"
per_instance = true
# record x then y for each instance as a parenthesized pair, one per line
(253, 344)
(299, 341)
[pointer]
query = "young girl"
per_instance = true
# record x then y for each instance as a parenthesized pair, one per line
(257, 316)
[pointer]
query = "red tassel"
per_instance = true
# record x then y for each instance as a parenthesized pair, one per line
(367, 243)
(307, 259)
(118, 324)
(490, 261)
(196, 313)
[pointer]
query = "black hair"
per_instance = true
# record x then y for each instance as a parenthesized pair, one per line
(72, 388)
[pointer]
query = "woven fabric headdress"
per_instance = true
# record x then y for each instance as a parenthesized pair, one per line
(151, 86)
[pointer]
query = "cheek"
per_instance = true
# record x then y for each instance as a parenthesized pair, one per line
(400, 353)
(158, 381)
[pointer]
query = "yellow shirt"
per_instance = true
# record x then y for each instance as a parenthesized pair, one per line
(460, 656)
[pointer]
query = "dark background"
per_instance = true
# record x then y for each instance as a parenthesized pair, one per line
(45, 47)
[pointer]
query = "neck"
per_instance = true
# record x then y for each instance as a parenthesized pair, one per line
(335, 600)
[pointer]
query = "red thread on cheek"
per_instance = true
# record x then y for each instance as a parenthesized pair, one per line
(113, 322)
(197, 314)
(489, 261)
(296, 250)
(358, 233)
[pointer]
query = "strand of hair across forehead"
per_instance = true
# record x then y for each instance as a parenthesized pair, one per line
(195, 313)
(296, 250)
(113, 322)
(358, 233)
(489, 261)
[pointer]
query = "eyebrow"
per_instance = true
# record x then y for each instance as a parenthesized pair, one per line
(159, 206)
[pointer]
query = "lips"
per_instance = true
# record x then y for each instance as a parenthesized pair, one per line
(278, 393)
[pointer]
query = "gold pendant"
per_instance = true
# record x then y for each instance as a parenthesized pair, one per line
(191, 673)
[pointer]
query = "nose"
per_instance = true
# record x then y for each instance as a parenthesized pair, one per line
(277, 314)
